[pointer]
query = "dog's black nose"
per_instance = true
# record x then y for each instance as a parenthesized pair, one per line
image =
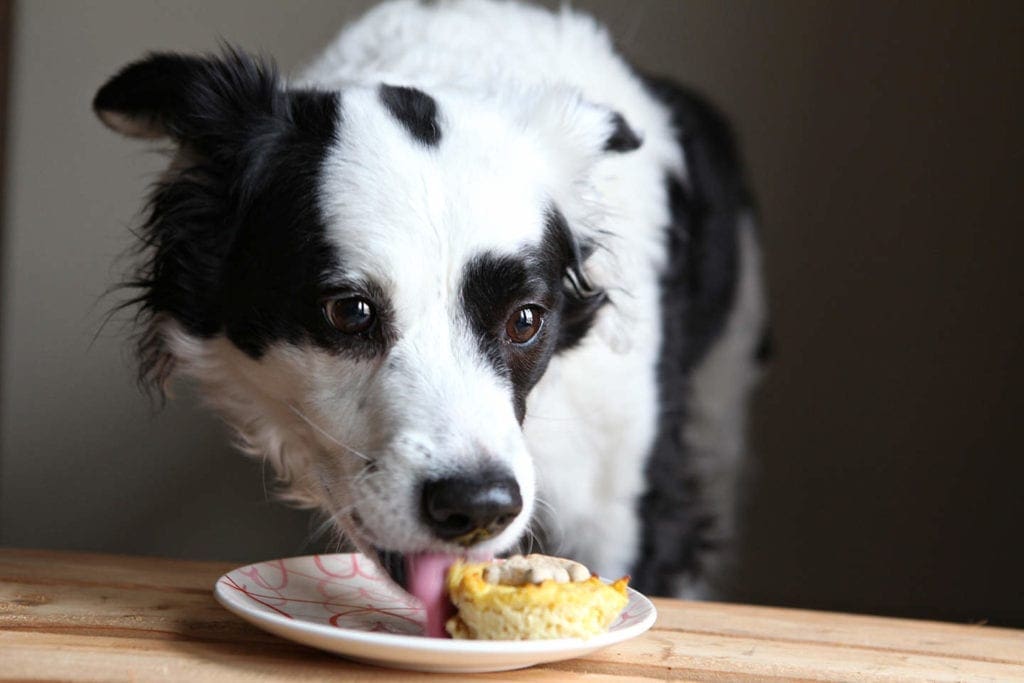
(471, 509)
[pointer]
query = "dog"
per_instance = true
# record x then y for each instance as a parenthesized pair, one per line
(470, 278)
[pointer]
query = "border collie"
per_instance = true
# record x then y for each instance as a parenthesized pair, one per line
(469, 276)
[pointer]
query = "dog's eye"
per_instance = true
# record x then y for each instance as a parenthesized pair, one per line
(352, 315)
(524, 324)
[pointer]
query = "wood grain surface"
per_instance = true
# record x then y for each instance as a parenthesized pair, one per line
(87, 617)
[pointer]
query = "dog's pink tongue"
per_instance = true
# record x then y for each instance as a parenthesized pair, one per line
(425, 575)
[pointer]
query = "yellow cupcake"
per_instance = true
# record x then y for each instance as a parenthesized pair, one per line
(513, 606)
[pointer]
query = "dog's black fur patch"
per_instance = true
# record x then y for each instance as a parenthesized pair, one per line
(146, 90)
(623, 138)
(232, 237)
(582, 301)
(415, 110)
(493, 286)
(698, 288)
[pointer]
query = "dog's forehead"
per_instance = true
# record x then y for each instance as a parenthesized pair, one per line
(397, 202)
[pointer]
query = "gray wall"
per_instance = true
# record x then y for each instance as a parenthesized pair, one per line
(85, 460)
(885, 144)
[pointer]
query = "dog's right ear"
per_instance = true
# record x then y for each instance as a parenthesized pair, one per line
(199, 101)
(145, 95)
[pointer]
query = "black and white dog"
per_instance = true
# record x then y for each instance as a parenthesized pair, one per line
(469, 272)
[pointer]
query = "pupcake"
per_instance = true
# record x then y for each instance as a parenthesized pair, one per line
(531, 597)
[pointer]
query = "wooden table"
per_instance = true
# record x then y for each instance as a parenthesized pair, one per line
(79, 616)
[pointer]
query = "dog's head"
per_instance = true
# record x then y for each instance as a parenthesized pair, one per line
(369, 282)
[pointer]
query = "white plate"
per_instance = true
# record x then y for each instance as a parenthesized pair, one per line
(342, 603)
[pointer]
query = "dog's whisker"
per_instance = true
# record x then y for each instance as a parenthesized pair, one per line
(531, 540)
(342, 536)
(351, 533)
(322, 528)
(544, 504)
(339, 540)
(326, 435)
(263, 478)
(534, 416)
(543, 522)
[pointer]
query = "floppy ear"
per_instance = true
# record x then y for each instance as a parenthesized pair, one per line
(577, 134)
(596, 128)
(247, 140)
(579, 130)
(204, 102)
(622, 138)
(583, 300)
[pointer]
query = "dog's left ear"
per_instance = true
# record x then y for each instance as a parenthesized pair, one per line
(581, 298)
(622, 138)
(580, 131)
(577, 134)
(582, 301)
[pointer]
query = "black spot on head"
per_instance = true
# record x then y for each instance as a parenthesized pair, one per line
(623, 138)
(415, 110)
(495, 286)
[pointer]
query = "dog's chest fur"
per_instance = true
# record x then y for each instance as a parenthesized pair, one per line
(590, 433)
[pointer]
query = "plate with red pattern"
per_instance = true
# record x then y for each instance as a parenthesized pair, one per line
(346, 605)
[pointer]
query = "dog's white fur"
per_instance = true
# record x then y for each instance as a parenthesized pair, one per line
(523, 95)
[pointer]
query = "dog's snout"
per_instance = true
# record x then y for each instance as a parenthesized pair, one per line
(471, 509)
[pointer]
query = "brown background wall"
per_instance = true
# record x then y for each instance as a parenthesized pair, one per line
(885, 144)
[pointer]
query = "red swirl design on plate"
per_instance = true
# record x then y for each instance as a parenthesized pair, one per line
(633, 613)
(255, 572)
(345, 591)
(245, 591)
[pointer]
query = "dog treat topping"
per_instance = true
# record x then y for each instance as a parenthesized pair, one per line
(519, 570)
